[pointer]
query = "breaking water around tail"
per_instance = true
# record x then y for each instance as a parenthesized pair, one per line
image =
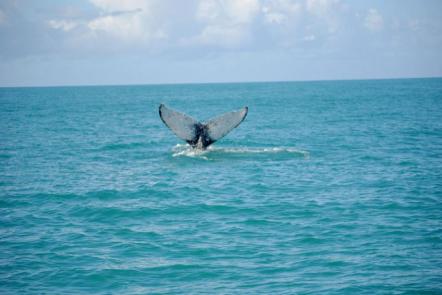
(216, 152)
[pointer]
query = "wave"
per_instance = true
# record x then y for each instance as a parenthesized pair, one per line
(185, 150)
(123, 146)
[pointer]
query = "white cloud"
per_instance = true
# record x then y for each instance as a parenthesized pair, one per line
(226, 36)
(208, 10)
(373, 20)
(64, 25)
(127, 27)
(159, 24)
(128, 20)
(327, 12)
(321, 7)
(280, 11)
(233, 11)
(227, 22)
(243, 11)
(119, 5)
(274, 17)
(310, 38)
(132, 21)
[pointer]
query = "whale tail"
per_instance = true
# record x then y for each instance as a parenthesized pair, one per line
(201, 134)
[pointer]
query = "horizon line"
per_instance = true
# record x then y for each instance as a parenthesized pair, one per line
(220, 82)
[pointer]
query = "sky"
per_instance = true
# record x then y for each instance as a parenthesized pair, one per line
(107, 42)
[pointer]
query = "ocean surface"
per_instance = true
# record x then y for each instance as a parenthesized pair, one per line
(328, 187)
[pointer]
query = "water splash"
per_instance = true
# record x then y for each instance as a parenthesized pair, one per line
(187, 151)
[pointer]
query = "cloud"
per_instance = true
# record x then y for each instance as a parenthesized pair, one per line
(225, 36)
(309, 38)
(326, 12)
(223, 24)
(280, 11)
(226, 23)
(258, 24)
(373, 20)
(243, 36)
(130, 21)
(110, 6)
(64, 25)
(321, 7)
(169, 27)
(128, 26)
(235, 11)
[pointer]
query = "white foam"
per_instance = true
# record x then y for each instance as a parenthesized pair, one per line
(187, 151)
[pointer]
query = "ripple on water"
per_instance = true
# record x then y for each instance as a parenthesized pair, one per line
(336, 193)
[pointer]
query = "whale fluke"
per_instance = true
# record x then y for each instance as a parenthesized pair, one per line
(201, 135)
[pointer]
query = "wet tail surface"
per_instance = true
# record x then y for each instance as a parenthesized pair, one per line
(198, 134)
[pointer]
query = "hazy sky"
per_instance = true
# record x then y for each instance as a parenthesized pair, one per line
(67, 42)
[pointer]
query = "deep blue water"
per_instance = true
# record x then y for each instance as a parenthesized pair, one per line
(326, 188)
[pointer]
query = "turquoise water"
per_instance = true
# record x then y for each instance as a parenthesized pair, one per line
(326, 188)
